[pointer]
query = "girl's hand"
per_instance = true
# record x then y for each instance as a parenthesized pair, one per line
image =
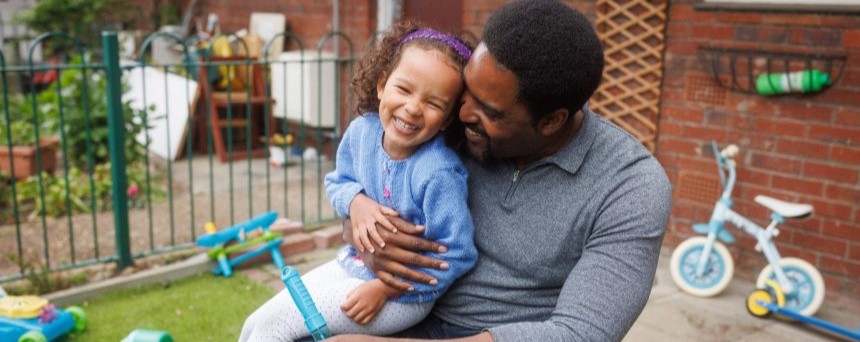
(364, 302)
(366, 214)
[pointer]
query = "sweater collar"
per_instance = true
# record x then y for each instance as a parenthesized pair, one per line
(571, 156)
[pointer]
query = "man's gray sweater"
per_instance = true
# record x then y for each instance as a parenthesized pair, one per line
(568, 246)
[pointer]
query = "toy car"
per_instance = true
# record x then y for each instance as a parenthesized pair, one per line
(32, 319)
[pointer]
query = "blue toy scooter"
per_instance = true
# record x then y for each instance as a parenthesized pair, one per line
(771, 299)
(314, 321)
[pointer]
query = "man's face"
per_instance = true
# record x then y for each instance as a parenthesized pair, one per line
(497, 125)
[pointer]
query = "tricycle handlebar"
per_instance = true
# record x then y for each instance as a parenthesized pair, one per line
(730, 151)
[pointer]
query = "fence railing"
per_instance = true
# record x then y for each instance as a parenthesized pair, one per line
(132, 158)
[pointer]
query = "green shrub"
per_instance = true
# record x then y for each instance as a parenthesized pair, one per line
(75, 109)
(78, 191)
(78, 104)
(81, 19)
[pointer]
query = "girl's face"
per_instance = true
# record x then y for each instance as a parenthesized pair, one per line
(416, 100)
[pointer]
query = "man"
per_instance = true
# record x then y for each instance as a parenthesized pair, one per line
(569, 210)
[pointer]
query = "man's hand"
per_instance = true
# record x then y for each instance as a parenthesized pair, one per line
(400, 251)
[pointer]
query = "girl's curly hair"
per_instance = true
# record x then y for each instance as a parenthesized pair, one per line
(381, 58)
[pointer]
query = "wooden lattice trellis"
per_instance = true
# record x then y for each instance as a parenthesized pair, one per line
(632, 32)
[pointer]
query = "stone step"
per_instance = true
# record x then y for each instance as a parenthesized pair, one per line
(297, 243)
(328, 236)
(286, 226)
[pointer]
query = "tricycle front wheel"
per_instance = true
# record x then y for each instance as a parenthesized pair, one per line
(719, 268)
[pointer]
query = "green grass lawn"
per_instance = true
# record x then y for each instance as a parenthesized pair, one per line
(200, 308)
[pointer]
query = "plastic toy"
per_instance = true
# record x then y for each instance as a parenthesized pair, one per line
(32, 319)
(314, 320)
(146, 335)
(240, 233)
(702, 266)
(770, 299)
(805, 81)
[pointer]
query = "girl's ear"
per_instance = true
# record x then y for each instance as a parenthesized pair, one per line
(380, 85)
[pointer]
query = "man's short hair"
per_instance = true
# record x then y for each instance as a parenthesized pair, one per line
(551, 48)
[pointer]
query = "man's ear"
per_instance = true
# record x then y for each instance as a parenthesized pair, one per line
(380, 85)
(552, 123)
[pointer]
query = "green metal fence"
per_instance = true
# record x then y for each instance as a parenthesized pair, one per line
(134, 157)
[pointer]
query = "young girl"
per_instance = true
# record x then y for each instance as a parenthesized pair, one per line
(391, 161)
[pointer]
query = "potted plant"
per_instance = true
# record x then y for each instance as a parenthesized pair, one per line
(18, 143)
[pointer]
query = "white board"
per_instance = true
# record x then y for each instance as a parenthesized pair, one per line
(169, 118)
(303, 86)
(267, 26)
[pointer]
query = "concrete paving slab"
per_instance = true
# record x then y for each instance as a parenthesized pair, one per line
(672, 315)
(789, 332)
(648, 333)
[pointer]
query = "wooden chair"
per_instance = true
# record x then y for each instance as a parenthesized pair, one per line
(235, 113)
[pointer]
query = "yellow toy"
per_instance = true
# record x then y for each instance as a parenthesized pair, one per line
(32, 319)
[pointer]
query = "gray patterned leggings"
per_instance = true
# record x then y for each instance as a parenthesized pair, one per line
(280, 320)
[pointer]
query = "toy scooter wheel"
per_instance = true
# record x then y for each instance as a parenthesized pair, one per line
(808, 293)
(33, 336)
(753, 306)
(80, 318)
(718, 271)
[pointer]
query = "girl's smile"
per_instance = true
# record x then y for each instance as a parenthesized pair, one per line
(416, 100)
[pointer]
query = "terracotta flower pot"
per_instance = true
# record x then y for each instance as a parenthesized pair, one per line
(25, 158)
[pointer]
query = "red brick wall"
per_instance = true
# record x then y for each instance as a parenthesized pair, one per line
(476, 12)
(795, 148)
(310, 20)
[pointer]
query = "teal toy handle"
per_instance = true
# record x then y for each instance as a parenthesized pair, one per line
(232, 233)
(314, 321)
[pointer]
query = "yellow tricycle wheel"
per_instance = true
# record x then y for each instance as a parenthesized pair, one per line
(754, 307)
(776, 291)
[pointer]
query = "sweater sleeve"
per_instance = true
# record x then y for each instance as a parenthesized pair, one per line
(608, 288)
(341, 185)
(449, 222)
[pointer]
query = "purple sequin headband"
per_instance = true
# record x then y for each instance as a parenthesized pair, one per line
(462, 50)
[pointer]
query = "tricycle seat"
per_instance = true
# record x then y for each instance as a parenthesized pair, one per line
(785, 209)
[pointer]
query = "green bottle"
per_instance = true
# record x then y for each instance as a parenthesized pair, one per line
(804, 81)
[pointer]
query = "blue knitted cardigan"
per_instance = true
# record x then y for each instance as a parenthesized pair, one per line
(428, 188)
